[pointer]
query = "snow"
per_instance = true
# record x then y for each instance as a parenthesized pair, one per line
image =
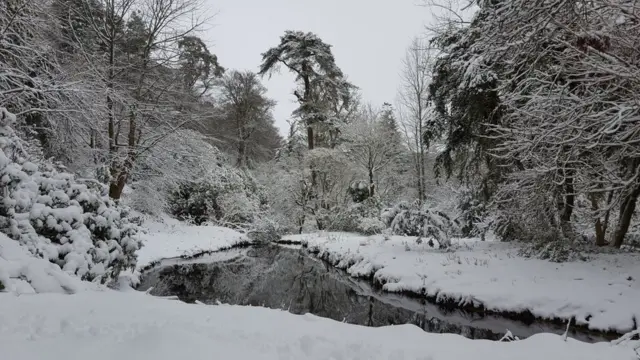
(603, 293)
(169, 238)
(22, 273)
(130, 325)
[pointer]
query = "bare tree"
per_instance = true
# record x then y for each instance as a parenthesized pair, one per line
(147, 82)
(414, 107)
(368, 144)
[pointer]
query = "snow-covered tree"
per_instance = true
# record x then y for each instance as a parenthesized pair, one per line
(321, 83)
(369, 143)
(543, 104)
(246, 110)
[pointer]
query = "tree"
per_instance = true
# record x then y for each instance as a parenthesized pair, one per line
(389, 125)
(153, 66)
(247, 109)
(323, 93)
(36, 84)
(542, 103)
(369, 144)
(321, 82)
(417, 118)
(198, 65)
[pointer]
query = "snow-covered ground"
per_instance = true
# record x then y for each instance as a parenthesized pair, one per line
(167, 238)
(130, 325)
(603, 293)
(47, 313)
(21, 273)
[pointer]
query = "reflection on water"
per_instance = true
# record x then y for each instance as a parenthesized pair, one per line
(289, 279)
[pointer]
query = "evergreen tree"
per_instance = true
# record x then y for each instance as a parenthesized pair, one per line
(321, 82)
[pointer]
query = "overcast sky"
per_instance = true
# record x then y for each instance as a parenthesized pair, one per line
(369, 38)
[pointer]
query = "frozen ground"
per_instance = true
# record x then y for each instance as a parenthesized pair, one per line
(130, 325)
(603, 293)
(169, 238)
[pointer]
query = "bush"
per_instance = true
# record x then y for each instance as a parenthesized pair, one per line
(57, 217)
(362, 217)
(370, 226)
(226, 196)
(412, 220)
(359, 191)
(265, 231)
(473, 214)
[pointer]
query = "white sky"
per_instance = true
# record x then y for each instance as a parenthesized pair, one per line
(369, 38)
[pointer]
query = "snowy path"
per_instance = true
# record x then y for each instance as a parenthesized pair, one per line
(129, 325)
(603, 293)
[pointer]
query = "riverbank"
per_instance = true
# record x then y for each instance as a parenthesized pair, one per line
(169, 238)
(600, 294)
(286, 278)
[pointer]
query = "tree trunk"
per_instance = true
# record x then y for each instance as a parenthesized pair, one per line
(627, 208)
(567, 207)
(371, 184)
(423, 177)
(569, 201)
(116, 187)
(241, 153)
(605, 225)
(310, 139)
(600, 229)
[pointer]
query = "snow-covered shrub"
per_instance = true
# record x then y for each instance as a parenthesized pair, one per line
(370, 226)
(413, 220)
(473, 216)
(225, 196)
(58, 217)
(359, 191)
(265, 231)
(555, 251)
(362, 217)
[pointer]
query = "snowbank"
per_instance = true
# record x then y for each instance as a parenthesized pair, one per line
(168, 238)
(603, 293)
(130, 325)
(22, 273)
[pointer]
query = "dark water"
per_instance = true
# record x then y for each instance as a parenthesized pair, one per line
(284, 278)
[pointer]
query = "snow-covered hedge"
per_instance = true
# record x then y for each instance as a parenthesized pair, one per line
(57, 217)
(413, 220)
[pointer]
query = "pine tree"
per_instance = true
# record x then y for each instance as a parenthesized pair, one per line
(321, 83)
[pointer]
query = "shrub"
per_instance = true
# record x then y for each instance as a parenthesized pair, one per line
(362, 217)
(57, 217)
(226, 196)
(370, 226)
(359, 191)
(473, 213)
(265, 231)
(412, 220)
